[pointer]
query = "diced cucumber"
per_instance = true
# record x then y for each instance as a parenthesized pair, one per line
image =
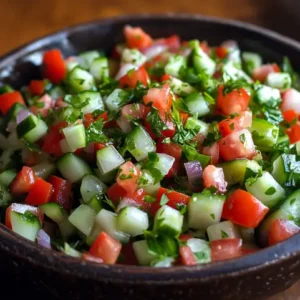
(80, 80)
(222, 230)
(106, 178)
(168, 221)
(91, 186)
(11, 116)
(43, 169)
(132, 220)
(54, 211)
(196, 104)
(251, 61)
(205, 209)
(139, 143)
(201, 250)
(193, 123)
(75, 136)
(109, 159)
(133, 56)
(26, 225)
(288, 210)
(100, 69)
(72, 167)
(95, 203)
(265, 94)
(164, 163)
(88, 57)
(56, 92)
(265, 134)
(7, 176)
(175, 63)
(164, 263)
(107, 221)
(64, 146)
(83, 218)
(32, 128)
(237, 171)
(202, 62)
(233, 73)
(116, 100)
(142, 254)
(94, 101)
(279, 81)
(148, 183)
(71, 251)
(266, 189)
(181, 88)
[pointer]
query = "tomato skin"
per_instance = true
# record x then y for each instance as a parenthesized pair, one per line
(115, 192)
(54, 66)
(212, 151)
(106, 248)
(136, 38)
(40, 193)
(185, 237)
(7, 100)
(226, 249)
(243, 120)
(22, 208)
(62, 192)
(160, 98)
(133, 77)
(290, 116)
(128, 176)
(261, 73)
(234, 102)
(221, 52)
(213, 176)
(281, 230)
(187, 257)
(243, 209)
(175, 198)
(238, 144)
(36, 87)
(294, 133)
(171, 149)
(23, 182)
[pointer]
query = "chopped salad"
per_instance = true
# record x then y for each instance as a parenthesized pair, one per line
(165, 152)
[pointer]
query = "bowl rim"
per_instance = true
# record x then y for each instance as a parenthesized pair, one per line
(54, 260)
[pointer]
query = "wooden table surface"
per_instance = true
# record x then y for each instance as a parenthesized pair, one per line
(24, 20)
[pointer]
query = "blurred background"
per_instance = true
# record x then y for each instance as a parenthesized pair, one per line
(24, 20)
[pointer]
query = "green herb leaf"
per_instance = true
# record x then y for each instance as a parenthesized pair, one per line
(224, 234)
(242, 138)
(270, 191)
(213, 216)
(95, 134)
(76, 101)
(182, 208)
(149, 199)
(213, 135)
(156, 123)
(164, 200)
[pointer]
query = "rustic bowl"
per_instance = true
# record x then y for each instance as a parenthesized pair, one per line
(32, 270)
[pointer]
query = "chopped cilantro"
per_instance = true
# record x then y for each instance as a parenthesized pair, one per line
(243, 138)
(149, 199)
(270, 191)
(125, 177)
(213, 135)
(231, 126)
(213, 216)
(224, 234)
(76, 101)
(292, 201)
(156, 123)
(95, 134)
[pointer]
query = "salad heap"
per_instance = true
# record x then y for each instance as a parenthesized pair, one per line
(166, 153)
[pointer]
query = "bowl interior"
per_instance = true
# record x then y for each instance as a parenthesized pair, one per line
(20, 66)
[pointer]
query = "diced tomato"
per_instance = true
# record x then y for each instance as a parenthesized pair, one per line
(221, 52)
(226, 249)
(184, 116)
(40, 193)
(234, 102)
(294, 133)
(171, 129)
(290, 116)
(171, 149)
(176, 199)
(160, 98)
(36, 87)
(60, 103)
(185, 237)
(62, 192)
(246, 251)
(91, 258)
(174, 169)
(261, 73)
(7, 100)
(243, 209)
(135, 111)
(106, 248)
(173, 42)
(54, 66)
(23, 182)
(187, 257)
(238, 144)
(290, 101)
(103, 116)
(128, 176)
(133, 77)
(99, 146)
(88, 119)
(136, 38)
(214, 177)
(45, 102)
(243, 120)
(212, 151)
(127, 255)
(165, 77)
(281, 230)
(22, 208)
(116, 192)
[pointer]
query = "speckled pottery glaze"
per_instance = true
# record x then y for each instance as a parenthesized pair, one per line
(52, 275)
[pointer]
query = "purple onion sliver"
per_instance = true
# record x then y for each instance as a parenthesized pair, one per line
(43, 239)
(194, 172)
(22, 114)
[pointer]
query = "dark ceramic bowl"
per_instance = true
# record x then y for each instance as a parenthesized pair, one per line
(33, 269)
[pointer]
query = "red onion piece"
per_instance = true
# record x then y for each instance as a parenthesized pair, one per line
(22, 114)
(154, 50)
(43, 239)
(125, 68)
(194, 173)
